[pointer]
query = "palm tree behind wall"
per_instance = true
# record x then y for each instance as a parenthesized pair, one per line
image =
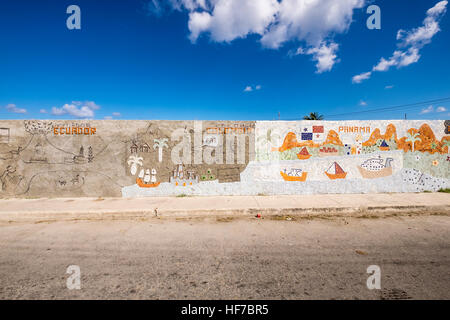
(313, 116)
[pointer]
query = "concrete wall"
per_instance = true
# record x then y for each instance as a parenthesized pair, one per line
(84, 158)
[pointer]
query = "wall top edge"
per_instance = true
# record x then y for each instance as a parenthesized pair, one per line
(260, 121)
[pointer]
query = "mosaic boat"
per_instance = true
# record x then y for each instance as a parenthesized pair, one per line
(142, 184)
(294, 175)
(335, 172)
(375, 168)
(303, 154)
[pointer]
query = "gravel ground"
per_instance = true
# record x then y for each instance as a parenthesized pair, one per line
(228, 258)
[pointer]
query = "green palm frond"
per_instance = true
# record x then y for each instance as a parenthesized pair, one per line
(313, 116)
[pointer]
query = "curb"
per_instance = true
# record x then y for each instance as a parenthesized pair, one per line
(299, 213)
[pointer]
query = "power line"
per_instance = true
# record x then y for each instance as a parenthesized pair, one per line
(396, 108)
(392, 108)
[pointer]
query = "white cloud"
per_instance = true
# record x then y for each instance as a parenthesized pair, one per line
(422, 35)
(77, 109)
(362, 103)
(90, 104)
(311, 21)
(412, 41)
(298, 51)
(250, 88)
(438, 9)
(325, 55)
(114, 114)
(389, 87)
(43, 111)
(276, 22)
(159, 7)
(155, 7)
(232, 19)
(427, 110)
(58, 111)
(384, 65)
(360, 77)
(431, 109)
(13, 108)
(198, 23)
(398, 59)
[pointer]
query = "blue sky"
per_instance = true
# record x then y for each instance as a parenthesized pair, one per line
(197, 59)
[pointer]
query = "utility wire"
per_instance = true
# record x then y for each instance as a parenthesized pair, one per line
(395, 108)
(392, 108)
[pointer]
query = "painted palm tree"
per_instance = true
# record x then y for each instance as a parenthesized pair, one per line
(313, 116)
(447, 144)
(413, 137)
(160, 144)
(134, 161)
(268, 139)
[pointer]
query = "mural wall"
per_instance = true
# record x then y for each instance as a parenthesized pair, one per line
(40, 158)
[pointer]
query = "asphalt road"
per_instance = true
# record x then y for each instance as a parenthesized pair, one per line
(222, 259)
